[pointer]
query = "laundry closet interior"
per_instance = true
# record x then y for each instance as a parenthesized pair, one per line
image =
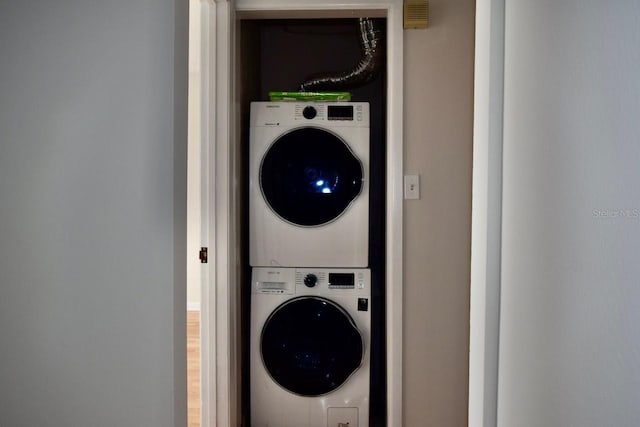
(278, 52)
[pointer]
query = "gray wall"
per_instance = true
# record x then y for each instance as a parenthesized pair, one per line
(570, 341)
(92, 184)
(438, 145)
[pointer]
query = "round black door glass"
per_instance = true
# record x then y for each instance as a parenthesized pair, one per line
(310, 346)
(309, 176)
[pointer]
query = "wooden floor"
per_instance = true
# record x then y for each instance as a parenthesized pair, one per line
(193, 368)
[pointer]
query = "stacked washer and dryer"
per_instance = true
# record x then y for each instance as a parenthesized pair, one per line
(310, 317)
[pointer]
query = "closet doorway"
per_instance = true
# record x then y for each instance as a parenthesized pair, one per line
(215, 197)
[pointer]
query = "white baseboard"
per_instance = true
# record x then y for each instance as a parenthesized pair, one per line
(193, 306)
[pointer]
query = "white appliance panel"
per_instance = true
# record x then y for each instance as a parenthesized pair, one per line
(271, 404)
(275, 241)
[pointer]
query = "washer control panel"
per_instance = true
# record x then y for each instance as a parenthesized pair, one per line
(291, 281)
(333, 278)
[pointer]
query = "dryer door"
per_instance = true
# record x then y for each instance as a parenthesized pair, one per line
(310, 346)
(309, 176)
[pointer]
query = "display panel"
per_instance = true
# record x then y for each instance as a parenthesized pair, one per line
(341, 280)
(340, 112)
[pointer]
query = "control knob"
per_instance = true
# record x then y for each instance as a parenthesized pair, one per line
(309, 112)
(310, 280)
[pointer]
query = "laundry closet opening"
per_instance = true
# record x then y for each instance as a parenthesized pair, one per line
(279, 55)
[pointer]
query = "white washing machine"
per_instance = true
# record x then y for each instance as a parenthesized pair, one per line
(310, 347)
(309, 184)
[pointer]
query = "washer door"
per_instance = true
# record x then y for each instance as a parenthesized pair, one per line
(310, 346)
(309, 176)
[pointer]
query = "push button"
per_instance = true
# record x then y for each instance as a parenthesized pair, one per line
(363, 304)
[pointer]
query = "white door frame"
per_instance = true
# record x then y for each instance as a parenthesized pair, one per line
(220, 299)
(219, 343)
(486, 218)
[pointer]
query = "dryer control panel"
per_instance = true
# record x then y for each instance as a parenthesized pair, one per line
(345, 112)
(341, 114)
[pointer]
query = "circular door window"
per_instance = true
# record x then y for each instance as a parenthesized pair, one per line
(309, 176)
(310, 346)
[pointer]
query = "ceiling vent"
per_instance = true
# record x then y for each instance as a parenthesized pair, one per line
(416, 14)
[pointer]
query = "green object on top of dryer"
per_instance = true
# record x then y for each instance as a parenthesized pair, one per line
(309, 96)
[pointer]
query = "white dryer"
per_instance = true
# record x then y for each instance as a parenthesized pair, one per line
(309, 184)
(310, 347)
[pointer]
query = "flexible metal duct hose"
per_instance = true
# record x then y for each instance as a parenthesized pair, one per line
(372, 45)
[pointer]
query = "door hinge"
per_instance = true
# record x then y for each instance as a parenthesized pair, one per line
(204, 256)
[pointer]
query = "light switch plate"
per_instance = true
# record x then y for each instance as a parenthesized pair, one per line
(412, 186)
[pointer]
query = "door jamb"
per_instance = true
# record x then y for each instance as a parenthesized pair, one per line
(486, 218)
(219, 344)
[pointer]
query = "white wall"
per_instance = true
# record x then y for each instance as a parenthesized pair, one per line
(570, 342)
(92, 218)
